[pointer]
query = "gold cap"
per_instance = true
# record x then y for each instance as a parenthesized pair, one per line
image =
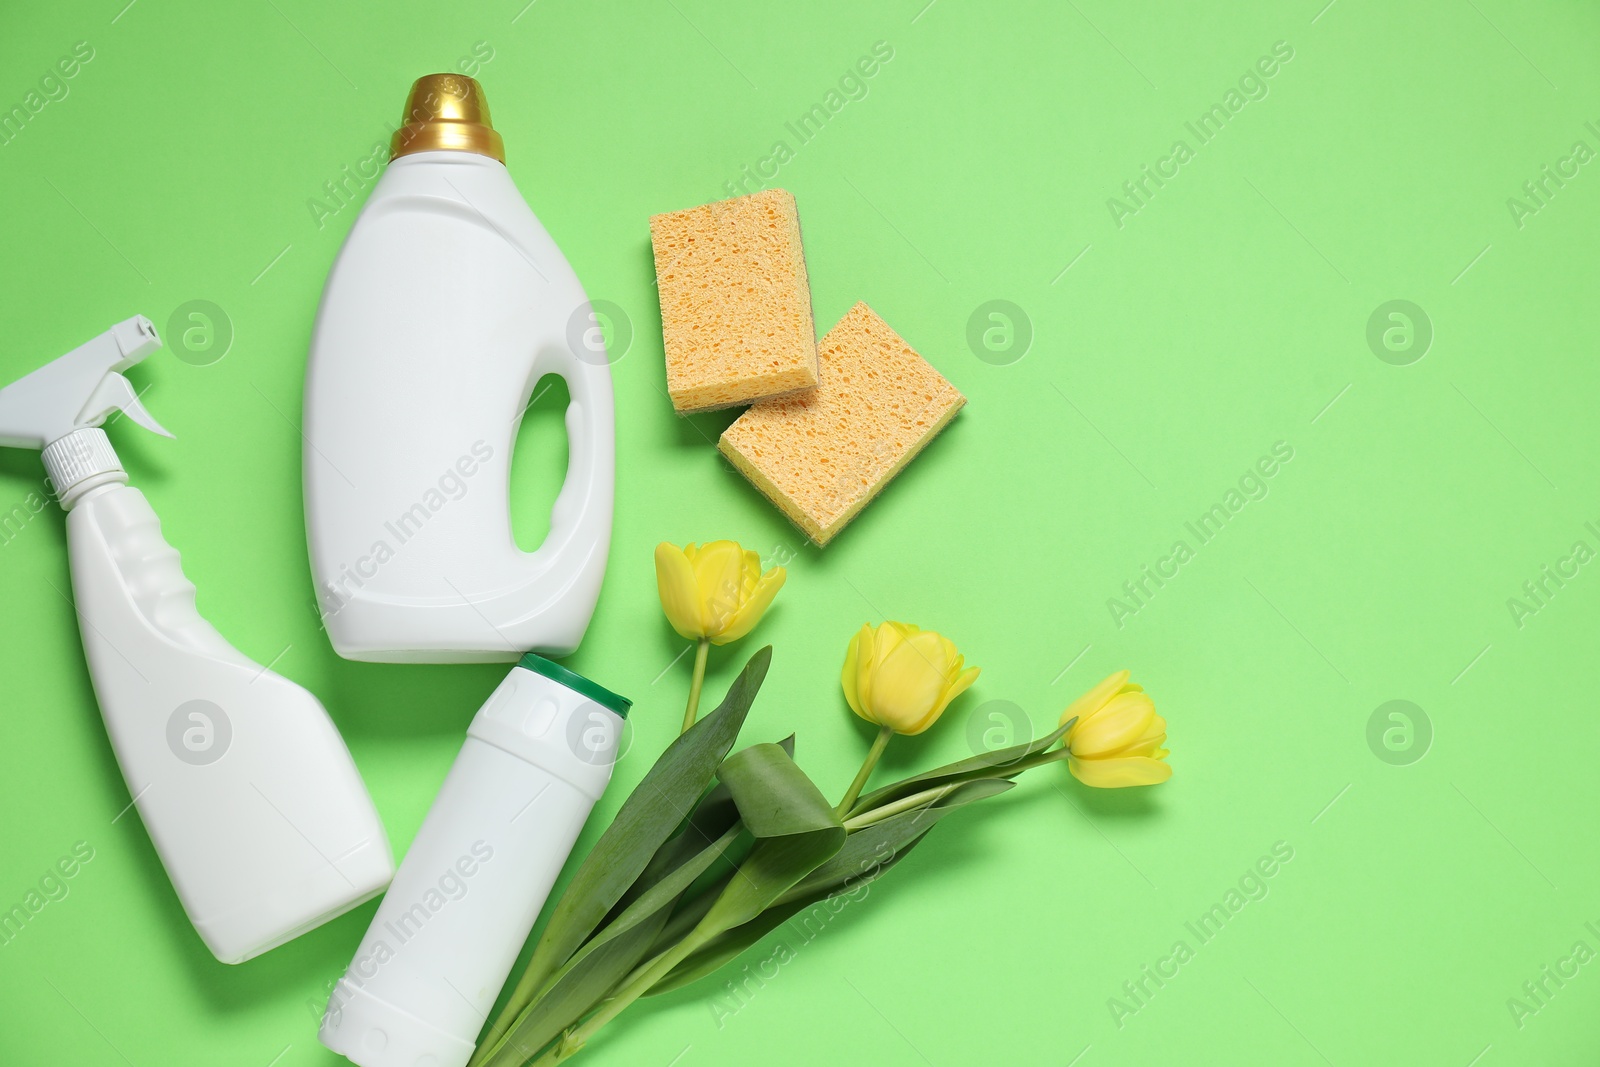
(446, 112)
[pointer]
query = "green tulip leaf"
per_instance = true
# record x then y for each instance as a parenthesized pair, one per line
(996, 764)
(796, 831)
(715, 812)
(871, 846)
(690, 910)
(867, 855)
(711, 817)
(728, 945)
(708, 821)
(774, 796)
(576, 989)
(864, 857)
(661, 895)
(584, 979)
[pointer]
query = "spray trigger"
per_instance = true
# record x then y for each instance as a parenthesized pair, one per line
(115, 393)
(78, 390)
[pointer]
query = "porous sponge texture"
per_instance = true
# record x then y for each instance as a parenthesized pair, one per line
(735, 303)
(822, 455)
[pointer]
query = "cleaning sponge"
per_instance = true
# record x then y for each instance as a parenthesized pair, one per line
(735, 304)
(822, 455)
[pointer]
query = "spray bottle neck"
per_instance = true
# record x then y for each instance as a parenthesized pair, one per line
(80, 462)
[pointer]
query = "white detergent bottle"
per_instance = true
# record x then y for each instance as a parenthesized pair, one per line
(446, 305)
(248, 792)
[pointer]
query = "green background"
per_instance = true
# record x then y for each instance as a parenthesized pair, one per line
(1229, 313)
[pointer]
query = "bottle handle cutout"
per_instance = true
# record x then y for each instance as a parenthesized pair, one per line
(589, 439)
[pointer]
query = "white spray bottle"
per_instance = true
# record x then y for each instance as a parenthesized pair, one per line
(447, 304)
(248, 792)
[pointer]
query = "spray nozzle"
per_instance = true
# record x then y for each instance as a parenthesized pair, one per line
(80, 389)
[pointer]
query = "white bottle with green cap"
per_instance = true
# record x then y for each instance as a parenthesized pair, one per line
(537, 757)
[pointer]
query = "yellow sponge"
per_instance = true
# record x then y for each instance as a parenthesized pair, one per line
(735, 304)
(821, 456)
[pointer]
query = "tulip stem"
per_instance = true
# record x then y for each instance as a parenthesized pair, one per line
(631, 988)
(868, 816)
(879, 743)
(1038, 759)
(910, 803)
(695, 685)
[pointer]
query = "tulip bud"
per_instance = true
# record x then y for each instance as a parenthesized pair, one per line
(902, 677)
(714, 591)
(1117, 739)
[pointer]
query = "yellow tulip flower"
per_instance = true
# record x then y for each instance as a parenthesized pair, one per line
(713, 594)
(714, 591)
(902, 677)
(1117, 739)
